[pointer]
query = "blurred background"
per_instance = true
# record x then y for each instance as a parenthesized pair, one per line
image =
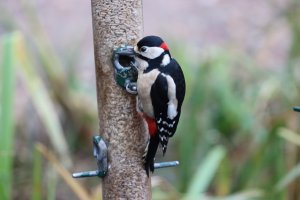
(238, 138)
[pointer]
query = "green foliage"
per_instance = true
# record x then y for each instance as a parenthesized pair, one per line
(37, 176)
(42, 102)
(233, 102)
(237, 139)
(7, 82)
(52, 92)
(205, 172)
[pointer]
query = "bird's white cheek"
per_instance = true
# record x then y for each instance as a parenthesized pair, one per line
(153, 52)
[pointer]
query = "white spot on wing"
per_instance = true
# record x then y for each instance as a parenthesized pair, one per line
(162, 138)
(172, 112)
(170, 125)
(159, 121)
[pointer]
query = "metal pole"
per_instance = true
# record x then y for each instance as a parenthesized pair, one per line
(117, 22)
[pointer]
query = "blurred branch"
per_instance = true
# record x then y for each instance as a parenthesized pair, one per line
(205, 172)
(289, 136)
(72, 183)
(74, 103)
(42, 102)
(291, 176)
(253, 194)
(164, 187)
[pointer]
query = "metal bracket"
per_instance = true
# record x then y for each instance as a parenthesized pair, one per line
(297, 109)
(125, 70)
(166, 164)
(100, 153)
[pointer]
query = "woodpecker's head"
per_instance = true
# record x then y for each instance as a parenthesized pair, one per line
(151, 49)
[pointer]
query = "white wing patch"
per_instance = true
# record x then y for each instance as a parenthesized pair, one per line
(173, 103)
(172, 112)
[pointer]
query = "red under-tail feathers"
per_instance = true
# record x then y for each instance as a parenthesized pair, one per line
(152, 145)
(152, 128)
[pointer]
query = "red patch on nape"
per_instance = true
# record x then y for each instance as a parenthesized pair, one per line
(151, 125)
(164, 46)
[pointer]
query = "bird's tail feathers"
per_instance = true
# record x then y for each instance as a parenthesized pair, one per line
(150, 152)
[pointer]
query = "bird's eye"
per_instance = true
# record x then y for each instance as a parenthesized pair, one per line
(143, 49)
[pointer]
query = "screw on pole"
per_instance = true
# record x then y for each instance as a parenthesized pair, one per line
(100, 153)
(88, 174)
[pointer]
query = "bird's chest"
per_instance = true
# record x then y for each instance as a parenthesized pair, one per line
(144, 84)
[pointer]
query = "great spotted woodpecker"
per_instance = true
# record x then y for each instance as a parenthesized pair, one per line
(161, 91)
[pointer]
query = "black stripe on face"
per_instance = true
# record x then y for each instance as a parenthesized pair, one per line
(143, 57)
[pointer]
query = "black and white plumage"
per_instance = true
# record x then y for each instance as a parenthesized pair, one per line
(161, 91)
